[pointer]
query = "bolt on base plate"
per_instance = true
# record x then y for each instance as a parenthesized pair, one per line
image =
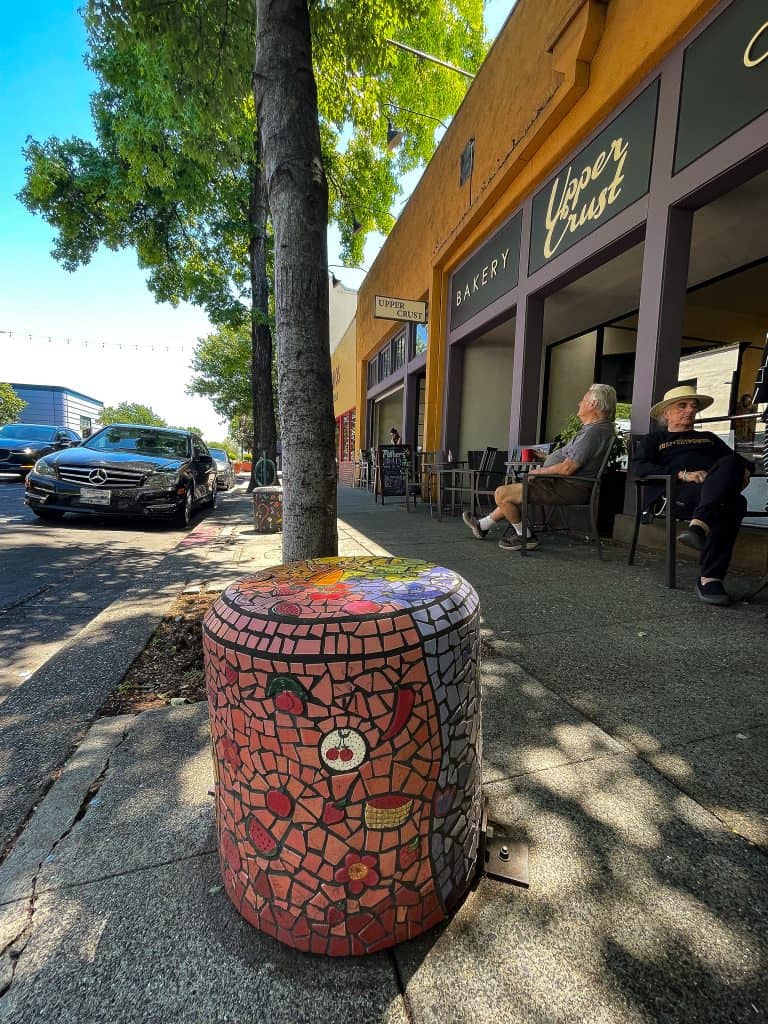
(500, 857)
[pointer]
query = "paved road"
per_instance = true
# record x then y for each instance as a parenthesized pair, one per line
(55, 577)
(99, 580)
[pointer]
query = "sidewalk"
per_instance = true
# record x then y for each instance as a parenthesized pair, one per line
(625, 738)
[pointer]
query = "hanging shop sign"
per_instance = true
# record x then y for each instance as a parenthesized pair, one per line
(489, 274)
(725, 80)
(386, 308)
(607, 176)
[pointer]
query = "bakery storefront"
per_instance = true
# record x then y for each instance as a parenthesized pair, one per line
(639, 259)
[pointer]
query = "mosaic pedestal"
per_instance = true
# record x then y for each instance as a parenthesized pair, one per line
(344, 701)
(268, 509)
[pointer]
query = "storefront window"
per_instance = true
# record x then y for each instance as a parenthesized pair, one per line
(345, 437)
(398, 352)
(420, 339)
(385, 363)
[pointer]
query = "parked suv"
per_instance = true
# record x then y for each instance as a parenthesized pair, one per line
(22, 444)
(126, 470)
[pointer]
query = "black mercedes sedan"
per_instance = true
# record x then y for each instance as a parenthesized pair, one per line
(22, 444)
(126, 470)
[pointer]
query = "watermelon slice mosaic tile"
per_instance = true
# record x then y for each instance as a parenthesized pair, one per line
(344, 702)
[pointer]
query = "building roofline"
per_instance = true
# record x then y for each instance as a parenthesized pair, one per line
(58, 388)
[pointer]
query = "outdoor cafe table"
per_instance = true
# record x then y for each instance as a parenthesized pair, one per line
(436, 476)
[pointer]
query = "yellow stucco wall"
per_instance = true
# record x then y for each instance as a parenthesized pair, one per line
(344, 372)
(555, 72)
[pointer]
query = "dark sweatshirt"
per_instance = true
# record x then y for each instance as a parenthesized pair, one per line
(666, 451)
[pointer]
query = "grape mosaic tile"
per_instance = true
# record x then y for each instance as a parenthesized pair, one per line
(345, 722)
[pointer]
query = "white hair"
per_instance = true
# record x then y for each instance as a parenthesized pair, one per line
(604, 397)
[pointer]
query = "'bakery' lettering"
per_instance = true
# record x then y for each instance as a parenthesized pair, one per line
(482, 277)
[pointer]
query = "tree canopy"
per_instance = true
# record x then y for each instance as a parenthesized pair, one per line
(173, 118)
(221, 366)
(131, 412)
(10, 404)
(175, 169)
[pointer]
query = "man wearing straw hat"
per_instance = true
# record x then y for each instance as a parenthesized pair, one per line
(710, 479)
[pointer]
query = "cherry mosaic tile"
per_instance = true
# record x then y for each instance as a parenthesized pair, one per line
(348, 791)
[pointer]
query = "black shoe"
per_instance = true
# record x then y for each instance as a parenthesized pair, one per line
(512, 541)
(693, 537)
(712, 593)
(474, 524)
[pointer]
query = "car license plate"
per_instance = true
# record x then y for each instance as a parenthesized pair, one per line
(93, 496)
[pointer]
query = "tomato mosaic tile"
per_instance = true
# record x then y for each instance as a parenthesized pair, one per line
(348, 792)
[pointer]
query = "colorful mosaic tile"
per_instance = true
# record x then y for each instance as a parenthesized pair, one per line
(345, 722)
(268, 509)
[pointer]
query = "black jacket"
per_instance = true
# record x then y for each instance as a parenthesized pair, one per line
(668, 452)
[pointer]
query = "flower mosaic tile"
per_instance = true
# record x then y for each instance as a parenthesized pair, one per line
(345, 722)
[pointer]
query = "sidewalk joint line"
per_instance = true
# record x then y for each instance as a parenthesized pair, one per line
(556, 767)
(401, 986)
(213, 851)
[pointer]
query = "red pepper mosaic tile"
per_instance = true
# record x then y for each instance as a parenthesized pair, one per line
(344, 702)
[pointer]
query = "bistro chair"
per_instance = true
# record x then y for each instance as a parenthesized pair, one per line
(363, 477)
(488, 476)
(666, 508)
(590, 506)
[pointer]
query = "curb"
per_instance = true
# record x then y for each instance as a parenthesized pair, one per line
(50, 715)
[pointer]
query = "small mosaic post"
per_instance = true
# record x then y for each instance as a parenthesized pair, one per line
(268, 509)
(344, 702)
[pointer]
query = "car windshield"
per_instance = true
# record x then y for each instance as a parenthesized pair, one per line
(27, 432)
(219, 454)
(145, 442)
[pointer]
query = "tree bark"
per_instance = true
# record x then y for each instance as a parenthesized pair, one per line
(264, 434)
(286, 109)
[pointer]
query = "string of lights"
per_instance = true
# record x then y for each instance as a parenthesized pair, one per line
(128, 346)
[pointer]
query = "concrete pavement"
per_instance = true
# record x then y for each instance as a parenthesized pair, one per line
(625, 737)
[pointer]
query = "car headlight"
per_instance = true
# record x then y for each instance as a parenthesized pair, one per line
(163, 480)
(43, 468)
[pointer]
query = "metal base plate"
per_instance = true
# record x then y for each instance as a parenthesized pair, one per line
(501, 858)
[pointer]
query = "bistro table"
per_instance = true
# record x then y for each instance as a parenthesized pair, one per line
(443, 478)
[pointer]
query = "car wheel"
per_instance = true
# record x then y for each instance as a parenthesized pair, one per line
(213, 499)
(48, 513)
(184, 514)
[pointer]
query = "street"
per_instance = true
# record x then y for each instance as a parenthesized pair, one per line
(57, 582)
(55, 577)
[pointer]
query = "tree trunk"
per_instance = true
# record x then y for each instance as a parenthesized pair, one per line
(264, 434)
(286, 109)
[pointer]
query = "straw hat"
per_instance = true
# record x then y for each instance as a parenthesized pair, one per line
(678, 395)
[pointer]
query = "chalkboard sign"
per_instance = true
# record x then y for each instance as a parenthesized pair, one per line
(391, 460)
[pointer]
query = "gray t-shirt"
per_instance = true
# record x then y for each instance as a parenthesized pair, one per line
(587, 448)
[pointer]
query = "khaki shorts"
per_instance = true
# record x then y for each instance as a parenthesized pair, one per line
(557, 490)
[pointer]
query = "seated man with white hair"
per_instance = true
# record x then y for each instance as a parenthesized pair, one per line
(710, 478)
(557, 481)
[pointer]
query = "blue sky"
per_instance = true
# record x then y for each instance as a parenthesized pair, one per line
(44, 91)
